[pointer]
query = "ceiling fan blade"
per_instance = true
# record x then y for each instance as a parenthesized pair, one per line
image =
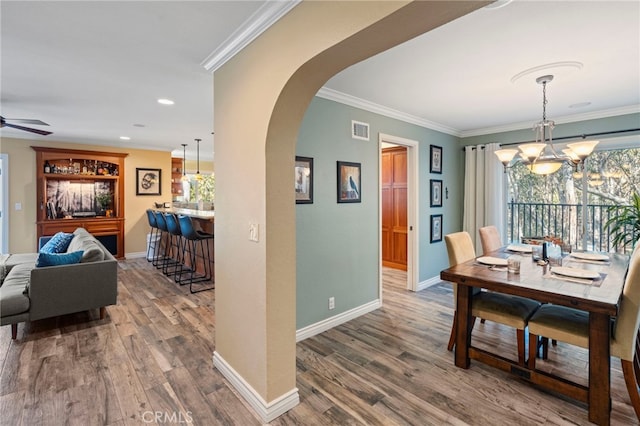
(27, 129)
(28, 121)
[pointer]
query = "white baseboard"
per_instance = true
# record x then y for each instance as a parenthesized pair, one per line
(326, 324)
(267, 411)
(135, 255)
(428, 283)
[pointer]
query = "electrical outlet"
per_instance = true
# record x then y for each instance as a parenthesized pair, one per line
(332, 302)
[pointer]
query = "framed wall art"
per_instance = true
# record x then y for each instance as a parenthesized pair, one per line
(349, 183)
(435, 165)
(304, 180)
(148, 181)
(436, 228)
(435, 193)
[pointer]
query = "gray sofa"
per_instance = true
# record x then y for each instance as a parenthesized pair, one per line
(29, 293)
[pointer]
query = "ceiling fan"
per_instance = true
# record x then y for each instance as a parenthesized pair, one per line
(3, 123)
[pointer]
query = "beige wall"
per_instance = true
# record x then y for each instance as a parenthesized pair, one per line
(205, 166)
(277, 76)
(22, 189)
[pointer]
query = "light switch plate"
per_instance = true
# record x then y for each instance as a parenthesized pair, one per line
(254, 234)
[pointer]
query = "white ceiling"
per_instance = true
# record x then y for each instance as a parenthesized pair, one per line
(459, 75)
(93, 70)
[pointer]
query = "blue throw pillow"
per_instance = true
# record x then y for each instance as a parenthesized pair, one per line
(55, 259)
(58, 243)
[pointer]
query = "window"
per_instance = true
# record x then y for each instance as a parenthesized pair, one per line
(200, 189)
(551, 205)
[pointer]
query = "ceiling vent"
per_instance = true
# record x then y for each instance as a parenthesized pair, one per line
(359, 130)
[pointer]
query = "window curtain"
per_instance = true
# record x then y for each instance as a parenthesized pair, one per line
(484, 192)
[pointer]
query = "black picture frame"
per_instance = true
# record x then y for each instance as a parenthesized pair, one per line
(436, 228)
(148, 181)
(304, 180)
(435, 193)
(349, 182)
(435, 155)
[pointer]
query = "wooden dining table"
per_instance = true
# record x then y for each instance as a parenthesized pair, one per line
(600, 299)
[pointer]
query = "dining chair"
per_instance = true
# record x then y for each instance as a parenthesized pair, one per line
(572, 326)
(513, 311)
(490, 238)
(491, 241)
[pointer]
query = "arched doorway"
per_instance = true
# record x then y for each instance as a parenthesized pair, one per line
(260, 98)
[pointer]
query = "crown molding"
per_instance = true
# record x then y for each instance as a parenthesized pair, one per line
(343, 98)
(594, 115)
(267, 15)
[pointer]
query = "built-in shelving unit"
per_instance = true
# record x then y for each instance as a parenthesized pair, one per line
(77, 188)
(176, 178)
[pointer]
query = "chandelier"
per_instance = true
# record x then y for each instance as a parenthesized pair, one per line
(541, 156)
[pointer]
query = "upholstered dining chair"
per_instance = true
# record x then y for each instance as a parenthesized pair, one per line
(491, 241)
(572, 326)
(505, 309)
(490, 238)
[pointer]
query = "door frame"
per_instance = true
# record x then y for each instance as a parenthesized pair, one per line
(413, 265)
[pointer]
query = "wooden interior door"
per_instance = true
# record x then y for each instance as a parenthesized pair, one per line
(394, 207)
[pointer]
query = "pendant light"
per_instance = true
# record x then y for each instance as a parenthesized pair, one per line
(535, 154)
(198, 175)
(184, 162)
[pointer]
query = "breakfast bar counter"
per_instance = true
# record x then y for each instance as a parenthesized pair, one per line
(204, 218)
(206, 215)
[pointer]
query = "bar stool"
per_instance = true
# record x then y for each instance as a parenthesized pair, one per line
(192, 238)
(163, 233)
(174, 253)
(154, 234)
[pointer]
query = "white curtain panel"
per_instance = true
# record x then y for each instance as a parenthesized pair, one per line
(484, 192)
(469, 213)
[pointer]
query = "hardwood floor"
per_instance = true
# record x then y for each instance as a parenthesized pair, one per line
(150, 361)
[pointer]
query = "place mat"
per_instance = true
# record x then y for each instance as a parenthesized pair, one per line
(590, 256)
(593, 262)
(492, 261)
(592, 282)
(499, 268)
(520, 248)
(575, 272)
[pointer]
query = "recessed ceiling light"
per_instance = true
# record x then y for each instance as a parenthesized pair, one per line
(125, 138)
(580, 105)
(165, 101)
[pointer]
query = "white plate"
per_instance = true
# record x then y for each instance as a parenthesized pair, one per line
(521, 248)
(494, 261)
(590, 256)
(575, 273)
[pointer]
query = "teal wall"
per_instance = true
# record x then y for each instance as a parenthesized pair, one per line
(609, 124)
(338, 244)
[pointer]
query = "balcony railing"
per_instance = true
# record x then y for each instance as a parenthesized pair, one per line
(565, 221)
